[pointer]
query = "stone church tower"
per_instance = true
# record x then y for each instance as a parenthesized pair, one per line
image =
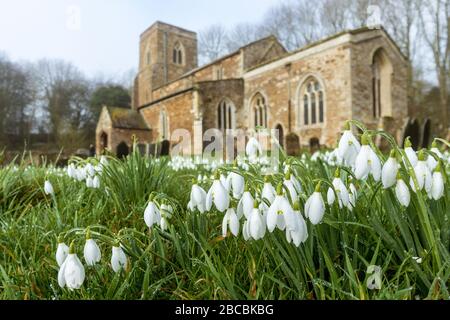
(166, 53)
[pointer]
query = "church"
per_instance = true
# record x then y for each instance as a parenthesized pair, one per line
(306, 94)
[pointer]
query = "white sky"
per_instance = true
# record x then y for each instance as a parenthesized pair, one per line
(104, 40)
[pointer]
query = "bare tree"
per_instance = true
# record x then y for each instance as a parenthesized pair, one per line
(295, 23)
(435, 27)
(242, 34)
(16, 96)
(64, 95)
(335, 15)
(212, 43)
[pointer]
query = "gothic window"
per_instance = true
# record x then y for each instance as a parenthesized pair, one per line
(177, 54)
(225, 115)
(164, 126)
(259, 109)
(381, 85)
(311, 107)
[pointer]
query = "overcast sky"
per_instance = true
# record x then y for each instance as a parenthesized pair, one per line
(104, 39)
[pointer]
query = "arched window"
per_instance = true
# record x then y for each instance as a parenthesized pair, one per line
(259, 109)
(311, 107)
(381, 85)
(177, 54)
(164, 126)
(225, 115)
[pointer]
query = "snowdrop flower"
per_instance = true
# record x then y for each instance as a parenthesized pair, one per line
(71, 171)
(245, 205)
(61, 252)
(290, 186)
(118, 259)
(225, 182)
(152, 214)
(437, 185)
(423, 174)
(91, 251)
(431, 161)
(280, 213)
(198, 198)
(253, 148)
(230, 220)
(348, 147)
(374, 280)
(96, 182)
(103, 160)
(71, 272)
(90, 171)
(255, 223)
(315, 207)
(268, 191)
(410, 153)
(341, 191)
(237, 183)
(300, 233)
(367, 162)
(417, 260)
(89, 183)
(217, 195)
(48, 188)
(402, 192)
(389, 171)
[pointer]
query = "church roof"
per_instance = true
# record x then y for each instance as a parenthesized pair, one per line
(126, 118)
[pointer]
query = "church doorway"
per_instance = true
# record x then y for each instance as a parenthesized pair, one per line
(122, 150)
(314, 145)
(103, 141)
(413, 131)
(426, 134)
(280, 134)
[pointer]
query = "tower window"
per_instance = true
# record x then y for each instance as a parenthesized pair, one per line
(177, 54)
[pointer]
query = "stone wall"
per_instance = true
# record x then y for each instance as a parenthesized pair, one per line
(180, 114)
(213, 92)
(281, 84)
(363, 49)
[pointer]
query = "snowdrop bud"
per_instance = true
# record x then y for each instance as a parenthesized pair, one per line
(437, 186)
(96, 182)
(230, 220)
(48, 188)
(61, 252)
(72, 271)
(410, 153)
(257, 229)
(89, 183)
(119, 260)
(423, 174)
(268, 191)
(348, 147)
(389, 171)
(245, 205)
(402, 192)
(91, 251)
(218, 195)
(152, 214)
(331, 197)
(315, 207)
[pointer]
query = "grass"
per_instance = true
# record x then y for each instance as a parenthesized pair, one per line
(191, 260)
